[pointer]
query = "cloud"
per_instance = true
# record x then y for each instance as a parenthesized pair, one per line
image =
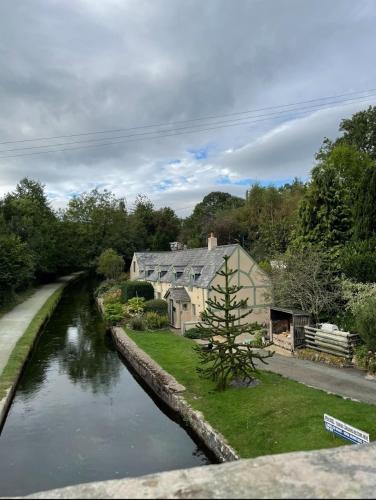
(89, 65)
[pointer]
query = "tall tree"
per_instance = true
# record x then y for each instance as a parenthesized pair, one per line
(365, 205)
(227, 359)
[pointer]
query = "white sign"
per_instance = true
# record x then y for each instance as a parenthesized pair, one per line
(345, 431)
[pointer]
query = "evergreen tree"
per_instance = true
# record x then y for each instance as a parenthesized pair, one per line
(365, 205)
(226, 359)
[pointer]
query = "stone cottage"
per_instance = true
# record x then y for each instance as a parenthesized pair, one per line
(184, 278)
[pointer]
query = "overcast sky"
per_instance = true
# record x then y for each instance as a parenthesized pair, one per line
(78, 66)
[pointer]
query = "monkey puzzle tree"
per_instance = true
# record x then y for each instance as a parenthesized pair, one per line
(227, 360)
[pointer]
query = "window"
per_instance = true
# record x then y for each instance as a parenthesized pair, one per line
(150, 272)
(197, 275)
(193, 309)
(178, 274)
(162, 273)
(185, 306)
(134, 266)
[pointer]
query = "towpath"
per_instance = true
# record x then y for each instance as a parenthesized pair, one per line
(14, 323)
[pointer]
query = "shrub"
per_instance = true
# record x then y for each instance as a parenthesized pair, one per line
(195, 333)
(104, 287)
(113, 313)
(159, 306)
(358, 261)
(132, 289)
(135, 306)
(366, 359)
(258, 341)
(365, 320)
(136, 323)
(156, 321)
(112, 296)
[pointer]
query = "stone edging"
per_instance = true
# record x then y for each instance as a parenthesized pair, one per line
(170, 391)
(6, 402)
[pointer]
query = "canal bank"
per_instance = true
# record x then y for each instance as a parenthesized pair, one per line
(80, 415)
(19, 330)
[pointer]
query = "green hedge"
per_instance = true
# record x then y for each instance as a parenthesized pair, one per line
(158, 306)
(132, 289)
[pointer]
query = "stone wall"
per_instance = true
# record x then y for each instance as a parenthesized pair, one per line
(170, 391)
(344, 472)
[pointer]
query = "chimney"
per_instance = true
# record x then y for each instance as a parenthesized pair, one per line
(212, 241)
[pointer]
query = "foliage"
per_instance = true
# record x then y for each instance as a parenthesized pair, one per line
(365, 320)
(365, 205)
(136, 323)
(357, 295)
(358, 260)
(226, 359)
(113, 313)
(366, 359)
(16, 265)
(104, 287)
(257, 421)
(307, 281)
(360, 131)
(321, 357)
(132, 289)
(112, 296)
(155, 321)
(134, 306)
(196, 333)
(205, 217)
(159, 306)
(266, 266)
(110, 264)
(258, 341)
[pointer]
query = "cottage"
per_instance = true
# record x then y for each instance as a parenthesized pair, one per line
(185, 278)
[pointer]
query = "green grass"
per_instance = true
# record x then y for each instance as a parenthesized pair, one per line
(279, 415)
(22, 348)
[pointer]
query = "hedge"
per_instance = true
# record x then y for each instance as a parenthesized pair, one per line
(159, 306)
(132, 289)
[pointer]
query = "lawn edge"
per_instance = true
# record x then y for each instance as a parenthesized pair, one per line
(24, 347)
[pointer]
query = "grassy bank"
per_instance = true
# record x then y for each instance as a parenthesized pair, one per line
(23, 346)
(279, 415)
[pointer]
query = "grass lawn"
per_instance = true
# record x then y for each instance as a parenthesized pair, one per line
(279, 415)
(22, 348)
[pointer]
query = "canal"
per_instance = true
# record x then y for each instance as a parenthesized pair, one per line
(80, 415)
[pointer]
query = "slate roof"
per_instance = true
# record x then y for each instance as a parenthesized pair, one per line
(194, 261)
(178, 294)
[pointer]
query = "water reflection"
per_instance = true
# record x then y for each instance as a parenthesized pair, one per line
(79, 415)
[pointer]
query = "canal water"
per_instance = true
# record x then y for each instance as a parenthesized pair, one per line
(80, 415)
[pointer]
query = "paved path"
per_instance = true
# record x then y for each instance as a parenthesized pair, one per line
(14, 324)
(346, 382)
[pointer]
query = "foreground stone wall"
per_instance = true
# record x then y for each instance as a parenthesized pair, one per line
(344, 472)
(170, 391)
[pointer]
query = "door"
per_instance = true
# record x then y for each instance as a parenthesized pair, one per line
(171, 312)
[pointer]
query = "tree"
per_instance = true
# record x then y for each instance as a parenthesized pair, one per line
(110, 264)
(16, 266)
(197, 227)
(307, 279)
(365, 205)
(226, 359)
(326, 212)
(28, 215)
(360, 131)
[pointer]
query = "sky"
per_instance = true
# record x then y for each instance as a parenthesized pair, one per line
(115, 66)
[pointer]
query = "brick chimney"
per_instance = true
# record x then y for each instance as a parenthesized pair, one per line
(212, 241)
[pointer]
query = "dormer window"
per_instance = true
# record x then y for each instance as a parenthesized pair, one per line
(196, 276)
(150, 272)
(178, 274)
(162, 273)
